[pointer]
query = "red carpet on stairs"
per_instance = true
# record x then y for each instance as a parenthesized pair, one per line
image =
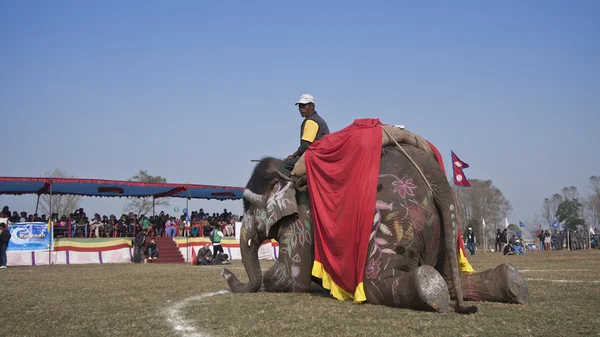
(167, 251)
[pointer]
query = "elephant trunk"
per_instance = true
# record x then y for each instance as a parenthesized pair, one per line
(249, 252)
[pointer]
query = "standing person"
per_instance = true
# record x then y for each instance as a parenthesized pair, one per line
(215, 238)
(471, 241)
(4, 239)
(312, 129)
(5, 216)
(541, 237)
(504, 237)
(139, 242)
(547, 239)
(498, 245)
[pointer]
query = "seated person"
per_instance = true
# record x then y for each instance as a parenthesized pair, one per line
(519, 248)
(221, 259)
(205, 255)
(151, 250)
(509, 249)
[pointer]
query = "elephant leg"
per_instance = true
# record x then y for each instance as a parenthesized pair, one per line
(422, 288)
(292, 271)
(501, 284)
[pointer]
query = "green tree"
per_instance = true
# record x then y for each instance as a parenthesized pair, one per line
(513, 227)
(143, 205)
(569, 213)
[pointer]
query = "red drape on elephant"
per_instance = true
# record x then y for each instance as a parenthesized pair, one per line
(342, 171)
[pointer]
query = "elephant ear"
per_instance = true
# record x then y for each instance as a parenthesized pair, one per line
(281, 202)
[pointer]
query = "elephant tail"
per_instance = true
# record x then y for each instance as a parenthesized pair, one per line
(446, 203)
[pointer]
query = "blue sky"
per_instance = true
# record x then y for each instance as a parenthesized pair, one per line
(192, 90)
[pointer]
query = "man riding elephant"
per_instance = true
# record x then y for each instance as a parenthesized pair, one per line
(312, 129)
(377, 224)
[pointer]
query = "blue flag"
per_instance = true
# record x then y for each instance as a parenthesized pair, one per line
(555, 224)
(521, 224)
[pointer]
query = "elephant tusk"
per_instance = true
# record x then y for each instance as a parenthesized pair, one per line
(249, 242)
(253, 198)
(283, 176)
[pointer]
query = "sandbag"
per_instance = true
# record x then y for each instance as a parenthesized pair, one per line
(403, 136)
(299, 168)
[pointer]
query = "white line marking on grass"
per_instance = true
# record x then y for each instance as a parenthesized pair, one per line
(563, 281)
(232, 268)
(557, 270)
(180, 324)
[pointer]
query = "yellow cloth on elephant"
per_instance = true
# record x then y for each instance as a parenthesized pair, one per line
(334, 289)
(463, 264)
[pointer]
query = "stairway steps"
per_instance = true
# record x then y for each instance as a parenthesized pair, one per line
(168, 253)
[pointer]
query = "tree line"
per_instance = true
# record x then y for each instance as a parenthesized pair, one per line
(485, 201)
(482, 201)
(571, 209)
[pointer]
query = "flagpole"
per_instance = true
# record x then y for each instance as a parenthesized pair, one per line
(484, 236)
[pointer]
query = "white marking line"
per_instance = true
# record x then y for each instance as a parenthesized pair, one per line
(180, 324)
(557, 270)
(562, 281)
(232, 268)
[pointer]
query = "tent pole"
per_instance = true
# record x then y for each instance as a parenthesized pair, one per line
(51, 224)
(37, 204)
(187, 211)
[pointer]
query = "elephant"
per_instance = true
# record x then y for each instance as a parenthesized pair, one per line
(411, 259)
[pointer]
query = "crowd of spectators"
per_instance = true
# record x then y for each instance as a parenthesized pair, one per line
(79, 224)
(576, 240)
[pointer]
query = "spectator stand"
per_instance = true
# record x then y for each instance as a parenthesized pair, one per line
(106, 188)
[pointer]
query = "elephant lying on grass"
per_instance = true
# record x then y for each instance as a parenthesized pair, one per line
(412, 255)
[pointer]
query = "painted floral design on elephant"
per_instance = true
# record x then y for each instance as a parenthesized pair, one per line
(373, 268)
(258, 215)
(403, 186)
(379, 244)
(277, 199)
(298, 234)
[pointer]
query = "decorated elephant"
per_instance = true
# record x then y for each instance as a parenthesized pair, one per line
(411, 260)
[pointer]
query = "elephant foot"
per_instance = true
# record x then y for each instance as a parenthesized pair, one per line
(517, 290)
(431, 289)
(503, 284)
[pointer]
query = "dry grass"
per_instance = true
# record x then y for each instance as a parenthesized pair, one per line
(132, 300)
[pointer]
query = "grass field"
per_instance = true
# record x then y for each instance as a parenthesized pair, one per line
(153, 300)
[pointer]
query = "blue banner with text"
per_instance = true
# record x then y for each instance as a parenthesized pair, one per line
(30, 236)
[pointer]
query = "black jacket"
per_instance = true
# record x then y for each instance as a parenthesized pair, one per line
(312, 129)
(140, 239)
(5, 236)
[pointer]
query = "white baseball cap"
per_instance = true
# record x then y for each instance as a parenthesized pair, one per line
(306, 98)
